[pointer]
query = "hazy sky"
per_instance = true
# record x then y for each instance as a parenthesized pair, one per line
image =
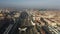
(31, 3)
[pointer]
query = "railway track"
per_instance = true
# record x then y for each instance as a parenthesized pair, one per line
(10, 29)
